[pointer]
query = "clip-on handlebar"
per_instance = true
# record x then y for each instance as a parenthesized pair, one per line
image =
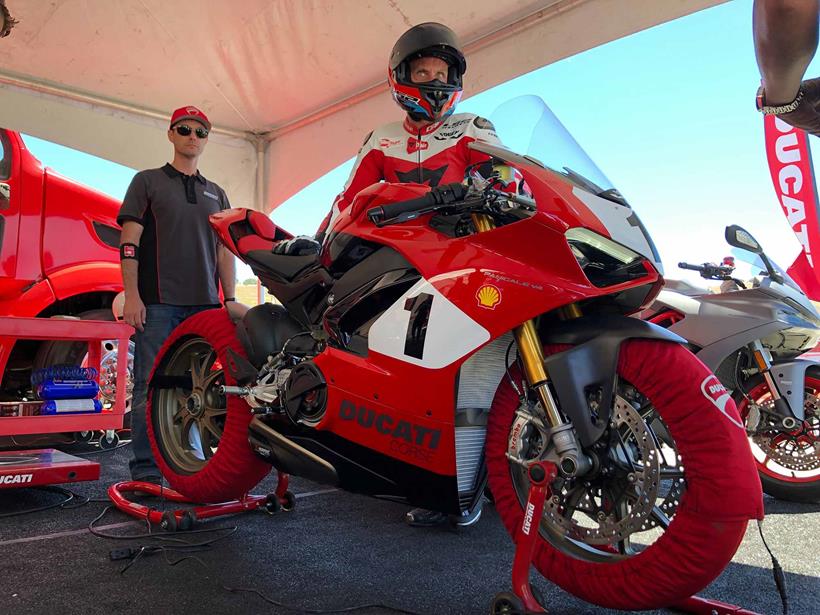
(710, 271)
(407, 210)
(443, 197)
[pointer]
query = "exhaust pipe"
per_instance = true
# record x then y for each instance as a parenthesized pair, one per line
(287, 456)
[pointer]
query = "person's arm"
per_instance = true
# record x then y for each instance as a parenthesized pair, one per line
(785, 36)
(226, 266)
(130, 218)
(367, 170)
(482, 129)
(134, 309)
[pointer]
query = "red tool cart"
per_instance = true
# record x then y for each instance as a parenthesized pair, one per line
(47, 466)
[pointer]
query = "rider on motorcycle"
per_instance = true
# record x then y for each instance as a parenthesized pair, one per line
(429, 146)
(728, 285)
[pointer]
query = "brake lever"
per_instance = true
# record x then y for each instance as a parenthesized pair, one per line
(523, 201)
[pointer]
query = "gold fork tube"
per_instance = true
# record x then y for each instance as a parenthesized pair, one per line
(571, 311)
(482, 222)
(532, 356)
(529, 346)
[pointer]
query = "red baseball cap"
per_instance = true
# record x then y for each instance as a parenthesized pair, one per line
(190, 113)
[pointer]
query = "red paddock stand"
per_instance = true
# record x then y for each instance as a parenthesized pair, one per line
(523, 601)
(184, 519)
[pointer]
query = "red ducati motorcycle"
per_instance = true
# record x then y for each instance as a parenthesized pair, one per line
(445, 339)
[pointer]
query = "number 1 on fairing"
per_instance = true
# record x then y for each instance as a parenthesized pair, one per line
(419, 308)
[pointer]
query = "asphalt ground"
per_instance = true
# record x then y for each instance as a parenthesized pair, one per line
(334, 551)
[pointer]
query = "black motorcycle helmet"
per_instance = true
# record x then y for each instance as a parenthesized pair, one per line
(433, 100)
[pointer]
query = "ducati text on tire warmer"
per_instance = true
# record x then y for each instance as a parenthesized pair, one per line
(753, 338)
(447, 338)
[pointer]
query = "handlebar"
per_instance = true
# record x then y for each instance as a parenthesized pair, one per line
(710, 271)
(391, 210)
(441, 195)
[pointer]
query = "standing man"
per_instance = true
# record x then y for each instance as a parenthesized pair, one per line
(785, 36)
(171, 260)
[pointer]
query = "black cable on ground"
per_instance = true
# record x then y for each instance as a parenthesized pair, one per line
(187, 550)
(349, 609)
(160, 536)
(290, 607)
(777, 572)
(69, 496)
(102, 450)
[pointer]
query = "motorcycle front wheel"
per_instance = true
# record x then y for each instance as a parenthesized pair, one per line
(788, 461)
(667, 503)
(198, 435)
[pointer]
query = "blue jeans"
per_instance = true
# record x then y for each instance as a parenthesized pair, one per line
(160, 321)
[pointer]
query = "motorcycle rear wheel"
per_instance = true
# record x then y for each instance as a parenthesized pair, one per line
(200, 437)
(699, 541)
(797, 477)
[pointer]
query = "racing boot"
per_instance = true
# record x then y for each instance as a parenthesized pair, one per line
(421, 517)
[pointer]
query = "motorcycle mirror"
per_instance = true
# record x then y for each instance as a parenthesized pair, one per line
(741, 238)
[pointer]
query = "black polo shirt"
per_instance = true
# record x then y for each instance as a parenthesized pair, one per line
(178, 248)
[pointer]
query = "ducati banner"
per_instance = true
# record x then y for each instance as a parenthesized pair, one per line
(787, 150)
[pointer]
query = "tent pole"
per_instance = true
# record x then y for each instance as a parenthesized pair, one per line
(261, 159)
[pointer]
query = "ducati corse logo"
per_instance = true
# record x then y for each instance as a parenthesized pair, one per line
(406, 438)
(716, 393)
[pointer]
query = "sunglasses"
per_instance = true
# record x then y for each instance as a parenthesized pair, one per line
(184, 131)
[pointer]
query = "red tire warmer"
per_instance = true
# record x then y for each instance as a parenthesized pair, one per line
(234, 470)
(723, 491)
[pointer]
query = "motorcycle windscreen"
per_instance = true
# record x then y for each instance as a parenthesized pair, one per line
(756, 266)
(527, 124)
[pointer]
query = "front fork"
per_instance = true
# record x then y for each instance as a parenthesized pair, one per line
(764, 368)
(571, 460)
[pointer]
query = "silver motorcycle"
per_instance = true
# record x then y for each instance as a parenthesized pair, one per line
(753, 339)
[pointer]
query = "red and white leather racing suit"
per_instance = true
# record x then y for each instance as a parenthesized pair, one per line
(399, 152)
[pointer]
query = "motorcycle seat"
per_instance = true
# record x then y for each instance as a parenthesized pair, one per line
(260, 233)
(263, 226)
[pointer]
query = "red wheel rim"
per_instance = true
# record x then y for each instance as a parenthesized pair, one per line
(810, 433)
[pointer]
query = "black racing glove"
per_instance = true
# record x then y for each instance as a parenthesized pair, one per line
(303, 245)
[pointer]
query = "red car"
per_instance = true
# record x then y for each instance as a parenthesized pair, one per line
(58, 257)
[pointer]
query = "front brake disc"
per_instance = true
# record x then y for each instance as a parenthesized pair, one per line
(608, 510)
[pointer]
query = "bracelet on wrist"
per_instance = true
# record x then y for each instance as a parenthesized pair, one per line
(227, 299)
(777, 110)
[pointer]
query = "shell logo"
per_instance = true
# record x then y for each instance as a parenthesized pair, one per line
(488, 296)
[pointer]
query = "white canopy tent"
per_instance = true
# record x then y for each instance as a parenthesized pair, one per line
(291, 86)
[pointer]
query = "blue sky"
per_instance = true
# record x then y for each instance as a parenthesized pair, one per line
(667, 114)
